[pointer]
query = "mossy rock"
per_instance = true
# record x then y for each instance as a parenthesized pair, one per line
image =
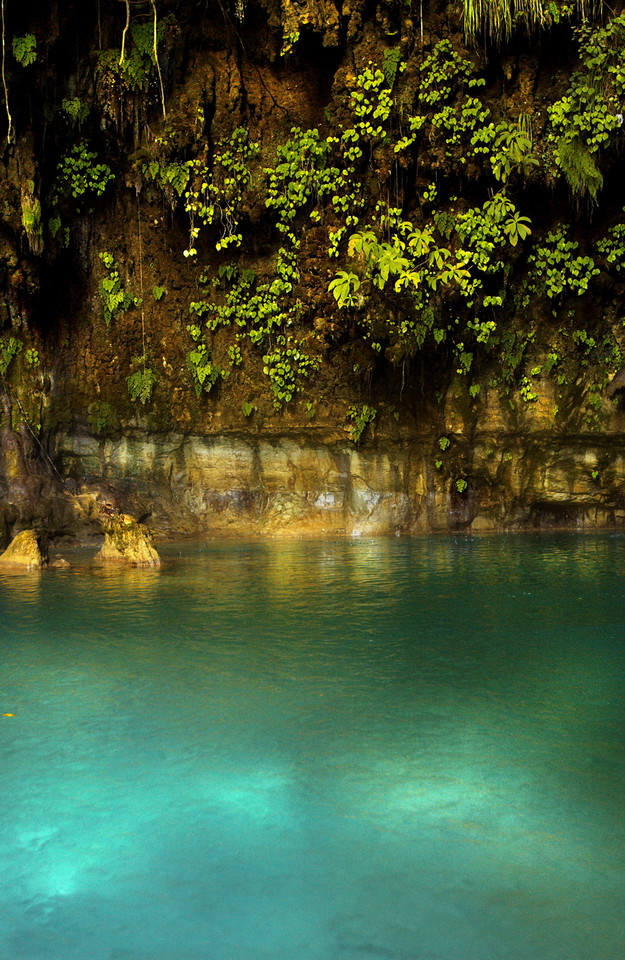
(126, 541)
(24, 552)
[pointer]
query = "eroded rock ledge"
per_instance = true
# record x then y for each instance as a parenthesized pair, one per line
(246, 485)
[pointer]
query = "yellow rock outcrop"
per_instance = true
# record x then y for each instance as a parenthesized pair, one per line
(126, 541)
(24, 552)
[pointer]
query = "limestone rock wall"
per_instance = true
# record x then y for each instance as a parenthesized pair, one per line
(241, 485)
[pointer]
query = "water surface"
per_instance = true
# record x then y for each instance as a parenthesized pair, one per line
(408, 749)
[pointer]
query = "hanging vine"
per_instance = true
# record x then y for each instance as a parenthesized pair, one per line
(125, 31)
(158, 66)
(10, 132)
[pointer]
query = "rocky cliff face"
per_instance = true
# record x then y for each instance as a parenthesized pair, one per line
(306, 483)
(302, 268)
(283, 485)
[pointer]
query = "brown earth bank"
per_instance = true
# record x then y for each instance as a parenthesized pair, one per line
(181, 189)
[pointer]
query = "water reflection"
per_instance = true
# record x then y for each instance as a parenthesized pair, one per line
(19, 586)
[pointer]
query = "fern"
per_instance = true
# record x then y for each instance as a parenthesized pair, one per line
(8, 349)
(138, 65)
(143, 36)
(580, 170)
(75, 109)
(390, 65)
(25, 49)
(141, 384)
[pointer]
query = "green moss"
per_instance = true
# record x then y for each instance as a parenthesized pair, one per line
(579, 168)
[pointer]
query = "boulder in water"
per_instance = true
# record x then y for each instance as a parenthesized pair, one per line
(126, 541)
(24, 552)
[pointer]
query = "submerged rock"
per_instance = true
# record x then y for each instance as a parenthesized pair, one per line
(24, 552)
(126, 541)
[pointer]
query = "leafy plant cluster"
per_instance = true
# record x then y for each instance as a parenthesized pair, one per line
(285, 365)
(449, 266)
(262, 312)
(75, 109)
(360, 417)
(554, 269)
(612, 246)
(587, 119)
(437, 275)
(436, 280)
(172, 177)
(79, 178)
(258, 312)
(301, 177)
(142, 381)
(9, 349)
(115, 299)
(138, 66)
(31, 217)
(312, 177)
(78, 174)
(204, 371)
(453, 253)
(447, 271)
(214, 191)
(25, 49)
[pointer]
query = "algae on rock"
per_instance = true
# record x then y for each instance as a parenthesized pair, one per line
(24, 552)
(126, 541)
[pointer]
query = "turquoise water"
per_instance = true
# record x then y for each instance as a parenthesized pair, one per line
(352, 750)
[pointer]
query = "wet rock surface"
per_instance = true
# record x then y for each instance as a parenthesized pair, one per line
(24, 552)
(126, 541)
(236, 485)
